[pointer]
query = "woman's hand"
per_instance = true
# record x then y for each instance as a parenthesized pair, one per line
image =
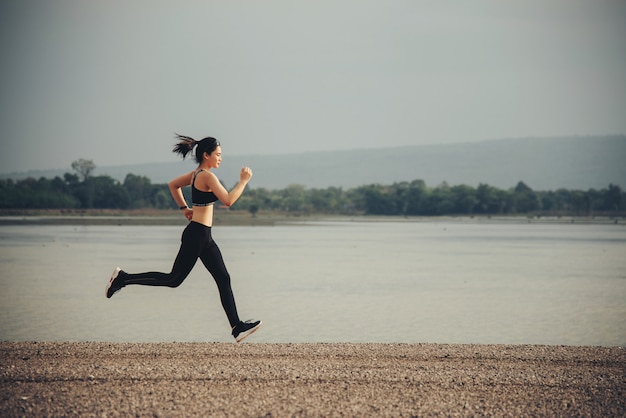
(188, 213)
(245, 175)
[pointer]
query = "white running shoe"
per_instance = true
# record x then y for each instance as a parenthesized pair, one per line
(113, 287)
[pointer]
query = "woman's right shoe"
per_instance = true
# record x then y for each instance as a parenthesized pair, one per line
(243, 329)
(114, 284)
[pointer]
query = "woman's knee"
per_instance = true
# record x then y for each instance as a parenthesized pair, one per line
(175, 281)
(222, 280)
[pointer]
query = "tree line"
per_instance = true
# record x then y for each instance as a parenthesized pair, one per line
(82, 190)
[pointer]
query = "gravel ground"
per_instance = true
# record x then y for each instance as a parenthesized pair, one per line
(220, 379)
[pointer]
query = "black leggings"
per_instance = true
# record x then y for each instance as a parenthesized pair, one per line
(196, 242)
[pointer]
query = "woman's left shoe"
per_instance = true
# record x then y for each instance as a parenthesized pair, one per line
(243, 329)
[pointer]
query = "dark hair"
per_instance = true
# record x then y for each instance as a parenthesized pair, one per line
(186, 144)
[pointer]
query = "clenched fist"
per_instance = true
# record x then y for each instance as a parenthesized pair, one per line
(245, 175)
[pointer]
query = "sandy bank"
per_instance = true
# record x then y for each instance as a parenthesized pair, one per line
(219, 379)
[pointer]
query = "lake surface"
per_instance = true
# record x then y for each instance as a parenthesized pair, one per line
(435, 281)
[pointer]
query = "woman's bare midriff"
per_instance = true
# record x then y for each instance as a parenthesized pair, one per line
(203, 215)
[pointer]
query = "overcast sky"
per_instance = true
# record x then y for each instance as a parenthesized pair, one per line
(112, 81)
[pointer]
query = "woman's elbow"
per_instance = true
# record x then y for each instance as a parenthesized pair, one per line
(174, 185)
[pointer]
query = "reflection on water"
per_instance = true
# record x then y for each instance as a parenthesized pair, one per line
(436, 281)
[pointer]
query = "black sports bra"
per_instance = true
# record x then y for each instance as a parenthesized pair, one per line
(200, 198)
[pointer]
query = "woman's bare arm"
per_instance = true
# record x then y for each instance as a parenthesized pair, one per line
(227, 198)
(176, 186)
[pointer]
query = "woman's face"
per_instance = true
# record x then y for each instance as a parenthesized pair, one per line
(215, 158)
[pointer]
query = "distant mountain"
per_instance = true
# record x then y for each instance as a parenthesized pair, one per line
(542, 163)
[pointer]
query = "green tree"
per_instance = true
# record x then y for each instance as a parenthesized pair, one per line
(613, 198)
(438, 201)
(83, 167)
(579, 203)
(139, 189)
(488, 200)
(463, 199)
(415, 196)
(398, 198)
(294, 198)
(330, 200)
(161, 198)
(108, 193)
(525, 200)
(374, 199)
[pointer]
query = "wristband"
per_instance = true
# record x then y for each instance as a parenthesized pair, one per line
(183, 207)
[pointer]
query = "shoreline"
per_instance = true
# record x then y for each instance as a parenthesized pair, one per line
(309, 379)
(241, 218)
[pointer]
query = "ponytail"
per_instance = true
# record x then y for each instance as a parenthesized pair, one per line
(185, 145)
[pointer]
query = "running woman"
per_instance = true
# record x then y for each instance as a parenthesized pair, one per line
(196, 241)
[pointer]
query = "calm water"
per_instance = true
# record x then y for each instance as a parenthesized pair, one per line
(434, 281)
